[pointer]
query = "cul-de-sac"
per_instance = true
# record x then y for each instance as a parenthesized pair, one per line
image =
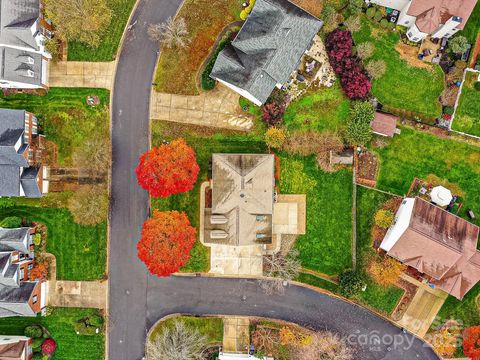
(239, 179)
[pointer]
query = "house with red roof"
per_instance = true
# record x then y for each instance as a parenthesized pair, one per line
(437, 18)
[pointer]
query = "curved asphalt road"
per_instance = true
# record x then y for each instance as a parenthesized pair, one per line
(137, 300)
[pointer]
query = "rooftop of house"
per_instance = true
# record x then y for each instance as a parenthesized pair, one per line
(14, 300)
(16, 20)
(242, 199)
(13, 239)
(20, 66)
(384, 124)
(431, 14)
(268, 47)
(13, 350)
(441, 245)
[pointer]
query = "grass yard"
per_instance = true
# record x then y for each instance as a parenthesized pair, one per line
(323, 109)
(64, 116)
(60, 324)
(403, 86)
(467, 113)
(205, 142)
(211, 327)
(80, 250)
(178, 67)
(326, 247)
(471, 29)
(110, 40)
(418, 154)
(383, 299)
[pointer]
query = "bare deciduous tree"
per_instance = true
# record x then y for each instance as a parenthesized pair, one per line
(89, 205)
(325, 346)
(281, 268)
(94, 155)
(172, 33)
(178, 342)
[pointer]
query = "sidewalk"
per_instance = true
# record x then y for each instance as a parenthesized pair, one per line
(82, 74)
(217, 108)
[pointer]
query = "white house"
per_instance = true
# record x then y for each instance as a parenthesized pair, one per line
(437, 18)
(23, 31)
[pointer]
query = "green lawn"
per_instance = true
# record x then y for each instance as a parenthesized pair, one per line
(107, 50)
(383, 299)
(60, 324)
(471, 29)
(418, 154)
(64, 116)
(317, 282)
(80, 250)
(204, 144)
(467, 114)
(326, 247)
(211, 327)
(324, 109)
(403, 86)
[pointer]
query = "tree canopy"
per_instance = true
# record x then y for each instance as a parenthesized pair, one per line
(79, 20)
(167, 238)
(168, 169)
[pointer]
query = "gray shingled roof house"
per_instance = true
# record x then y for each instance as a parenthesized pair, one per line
(19, 174)
(267, 49)
(242, 200)
(18, 295)
(23, 58)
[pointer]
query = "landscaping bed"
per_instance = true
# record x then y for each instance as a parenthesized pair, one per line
(403, 86)
(61, 326)
(366, 164)
(178, 67)
(109, 40)
(419, 154)
(467, 112)
(80, 251)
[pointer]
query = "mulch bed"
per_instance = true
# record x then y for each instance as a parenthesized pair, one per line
(366, 165)
(402, 306)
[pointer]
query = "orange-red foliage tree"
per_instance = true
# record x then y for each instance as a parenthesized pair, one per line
(168, 169)
(471, 342)
(167, 238)
(39, 271)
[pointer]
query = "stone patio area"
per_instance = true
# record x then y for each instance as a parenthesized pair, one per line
(236, 335)
(81, 74)
(216, 108)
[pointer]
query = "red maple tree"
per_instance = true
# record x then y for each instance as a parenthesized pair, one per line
(168, 169)
(167, 238)
(471, 342)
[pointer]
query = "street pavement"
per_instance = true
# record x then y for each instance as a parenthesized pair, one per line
(137, 300)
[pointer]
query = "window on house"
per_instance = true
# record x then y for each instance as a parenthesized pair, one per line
(35, 299)
(22, 273)
(407, 22)
(415, 39)
(30, 266)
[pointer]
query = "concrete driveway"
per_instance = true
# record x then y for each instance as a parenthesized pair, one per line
(81, 74)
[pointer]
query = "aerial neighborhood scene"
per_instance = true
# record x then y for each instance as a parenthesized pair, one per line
(239, 179)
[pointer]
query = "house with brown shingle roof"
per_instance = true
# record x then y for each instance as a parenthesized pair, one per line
(437, 243)
(437, 18)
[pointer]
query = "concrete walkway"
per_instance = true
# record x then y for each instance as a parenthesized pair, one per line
(81, 294)
(81, 74)
(236, 334)
(217, 108)
(423, 309)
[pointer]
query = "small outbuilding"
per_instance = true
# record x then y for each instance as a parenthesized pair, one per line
(384, 124)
